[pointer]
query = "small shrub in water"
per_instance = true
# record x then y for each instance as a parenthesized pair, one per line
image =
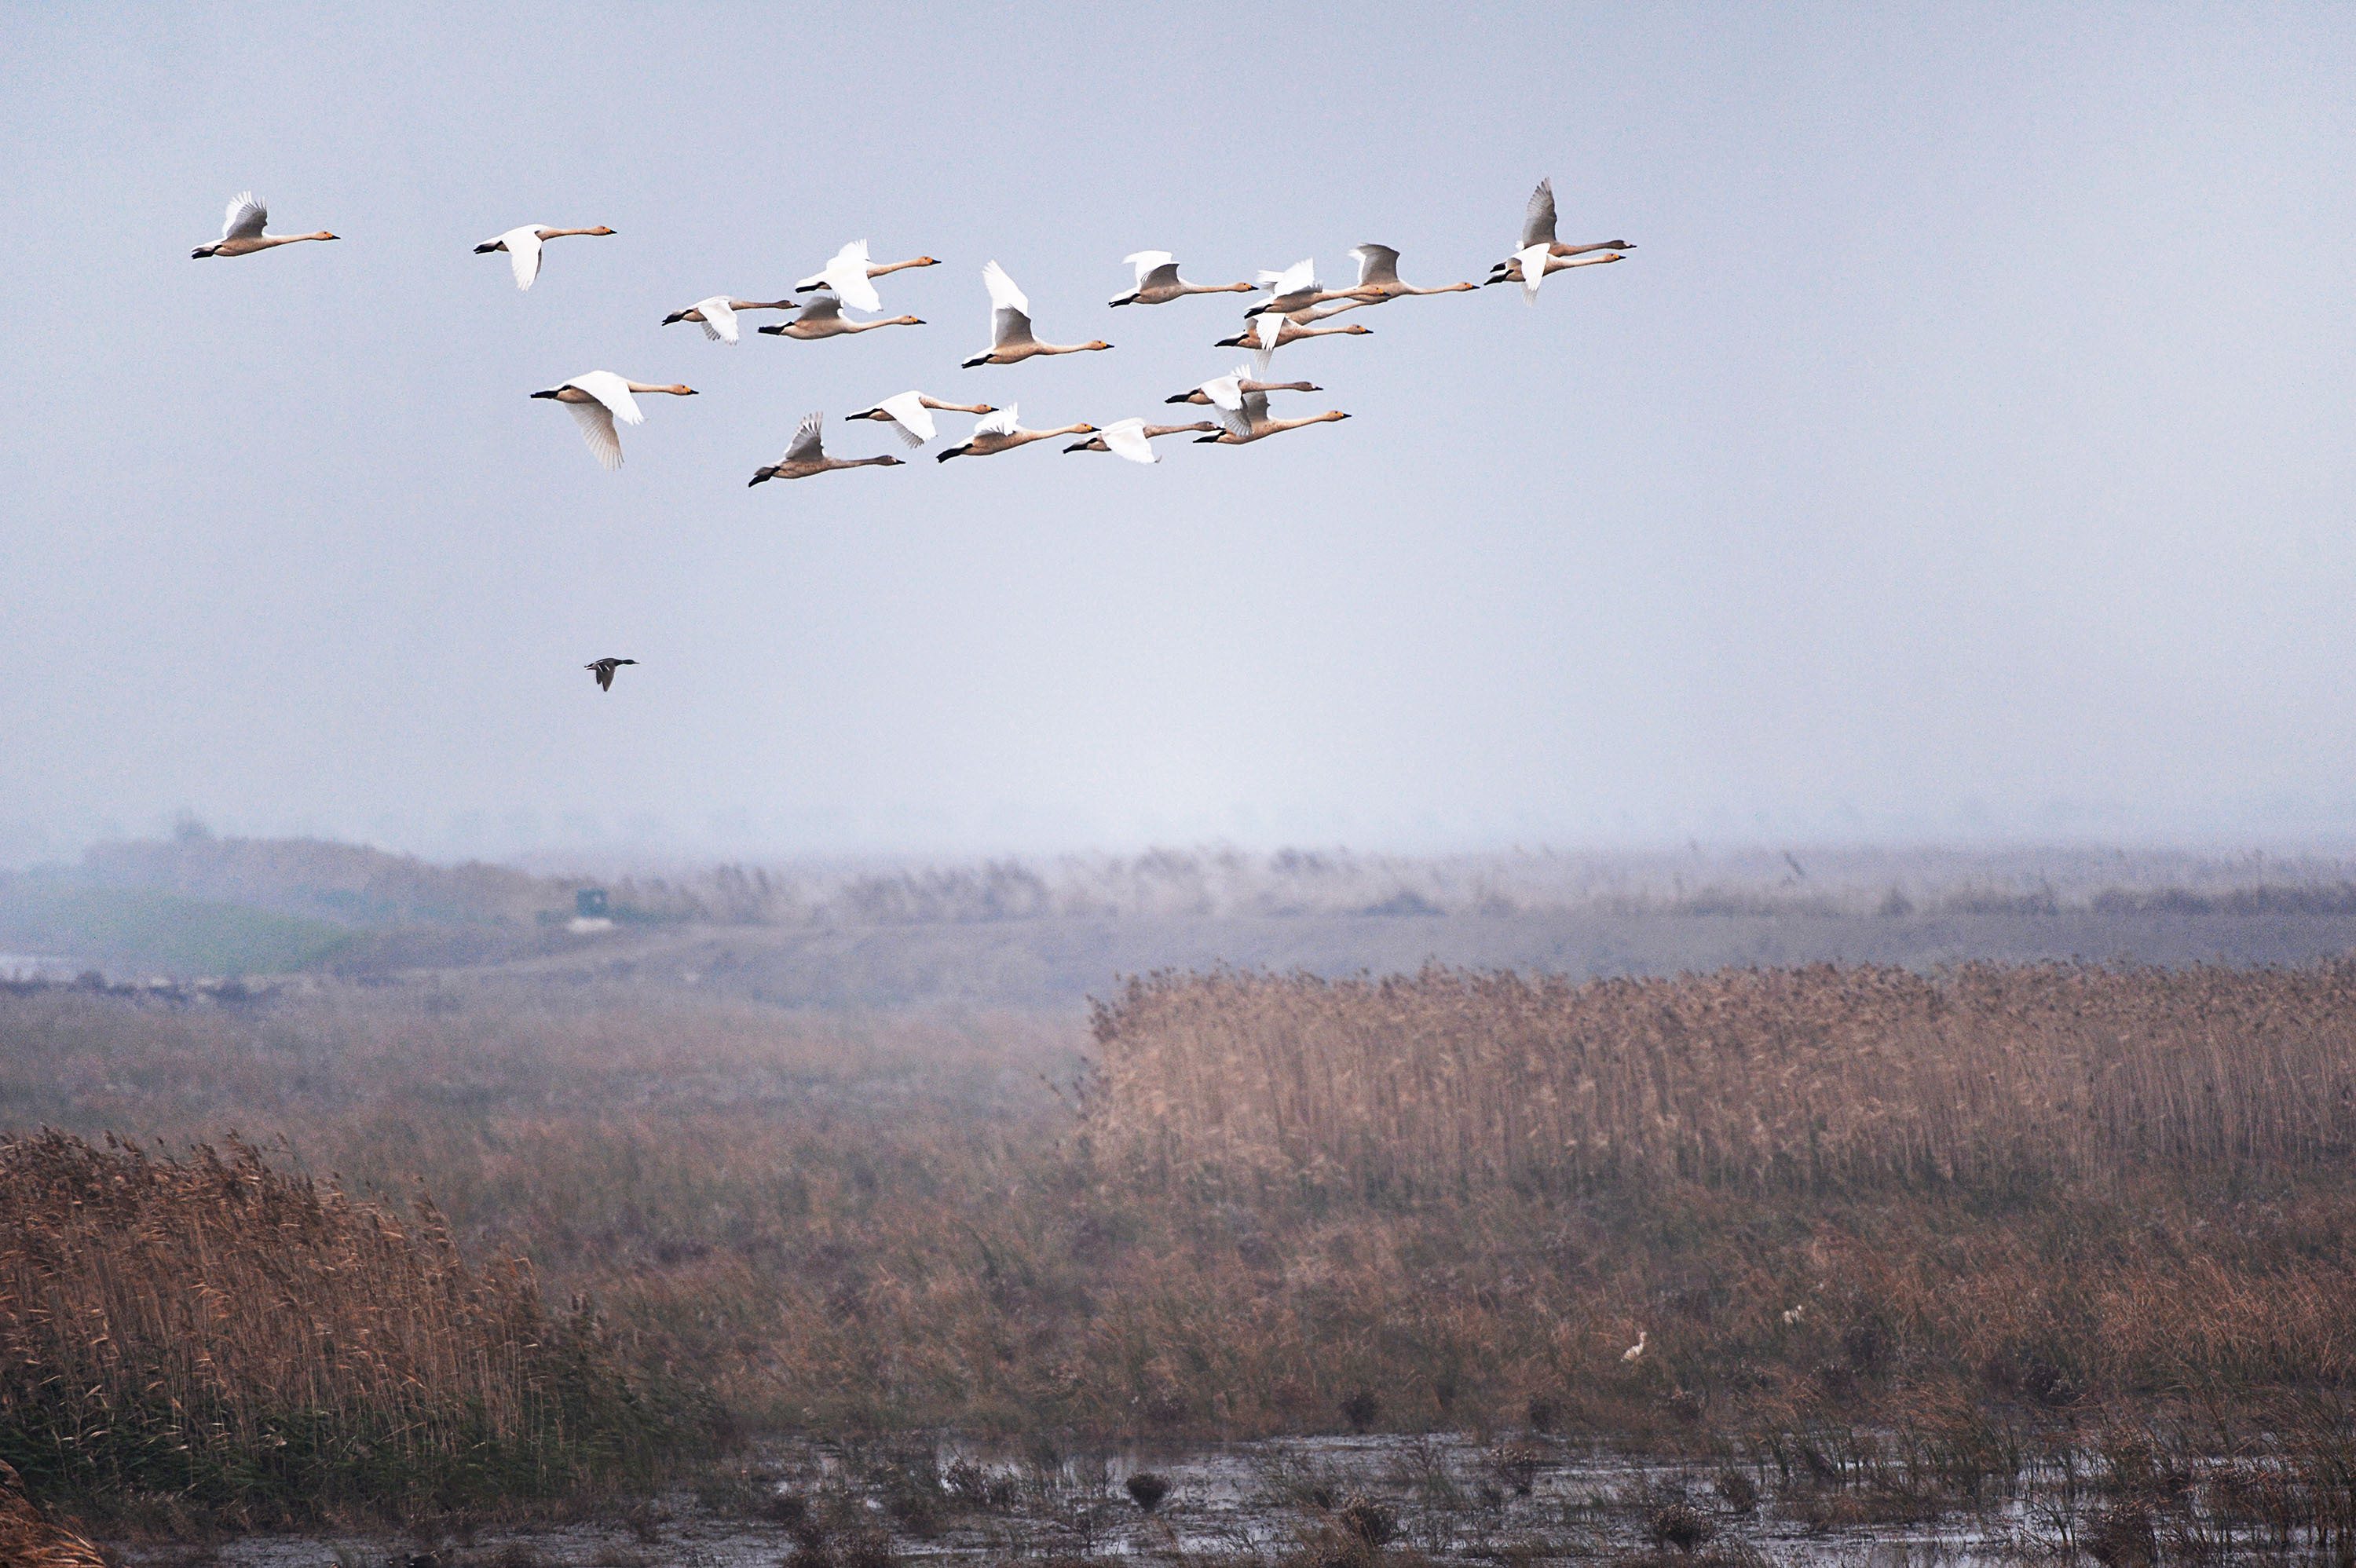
(1360, 1407)
(1738, 1491)
(1680, 1525)
(1369, 1520)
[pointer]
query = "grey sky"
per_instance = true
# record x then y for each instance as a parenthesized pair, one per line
(1968, 447)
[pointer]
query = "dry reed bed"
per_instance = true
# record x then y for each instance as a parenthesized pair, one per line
(251, 1345)
(1452, 1082)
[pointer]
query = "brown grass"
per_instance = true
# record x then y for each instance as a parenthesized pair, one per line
(1440, 1202)
(1457, 1083)
(261, 1348)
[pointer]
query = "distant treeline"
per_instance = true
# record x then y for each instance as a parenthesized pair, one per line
(352, 885)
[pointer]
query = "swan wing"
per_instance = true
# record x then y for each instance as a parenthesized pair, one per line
(1151, 267)
(1376, 264)
(244, 218)
(523, 254)
(1531, 262)
(1126, 438)
(1003, 294)
(596, 422)
(911, 421)
(1005, 421)
(1301, 275)
(719, 321)
(611, 391)
(808, 446)
(847, 276)
(1537, 218)
(821, 307)
(1009, 327)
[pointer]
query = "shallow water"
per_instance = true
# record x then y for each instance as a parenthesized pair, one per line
(1450, 1497)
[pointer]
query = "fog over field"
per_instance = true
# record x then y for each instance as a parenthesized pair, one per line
(1962, 452)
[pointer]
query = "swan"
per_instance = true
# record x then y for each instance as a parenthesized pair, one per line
(1636, 1350)
(910, 415)
(1267, 334)
(823, 317)
(1531, 266)
(1537, 229)
(1158, 282)
(717, 315)
(805, 456)
(1262, 427)
(522, 246)
(847, 273)
(1378, 281)
(1011, 342)
(241, 232)
(1295, 288)
(599, 398)
(1228, 394)
(1127, 438)
(1002, 431)
(604, 670)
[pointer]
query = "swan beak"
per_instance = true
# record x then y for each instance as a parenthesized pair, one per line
(1180, 397)
(486, 250)
(677, 316)
(757, 479)
(331, 237)
(548, 394)
(688, 392)
(200, 253)
(773, 331)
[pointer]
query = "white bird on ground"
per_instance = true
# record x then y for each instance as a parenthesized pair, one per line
(805, 456)
(241, 232)
(910, 415)
(1128, 437)
(823, 317)
(1636, 1350)
(1003, 432)
(522, 246)
(717, 315)
(1793, 1315)
(1158, 282)
(848, 273)
(1011, 342)
(599, 398)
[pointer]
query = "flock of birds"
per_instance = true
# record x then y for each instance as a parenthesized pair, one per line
(1296, 304)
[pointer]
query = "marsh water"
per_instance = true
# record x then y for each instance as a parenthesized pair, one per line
(1450, 1497)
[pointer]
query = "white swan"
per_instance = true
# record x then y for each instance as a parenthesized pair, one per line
(241, 232)
(1537, 229)
(1127, 438)
(1227, 394)
(1003, 432)
(821, 316)
(848, 273)
(1011, 342)
(599, 398)
(1158, 282)
(717, 315)
(846, 276)
(911, 417)
(1533, 265)
(805, 456)
(522, 246)
(1267, 334)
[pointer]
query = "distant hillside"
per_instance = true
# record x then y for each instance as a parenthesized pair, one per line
(325, 880)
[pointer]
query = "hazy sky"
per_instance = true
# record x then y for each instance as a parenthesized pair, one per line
(1968, 448)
